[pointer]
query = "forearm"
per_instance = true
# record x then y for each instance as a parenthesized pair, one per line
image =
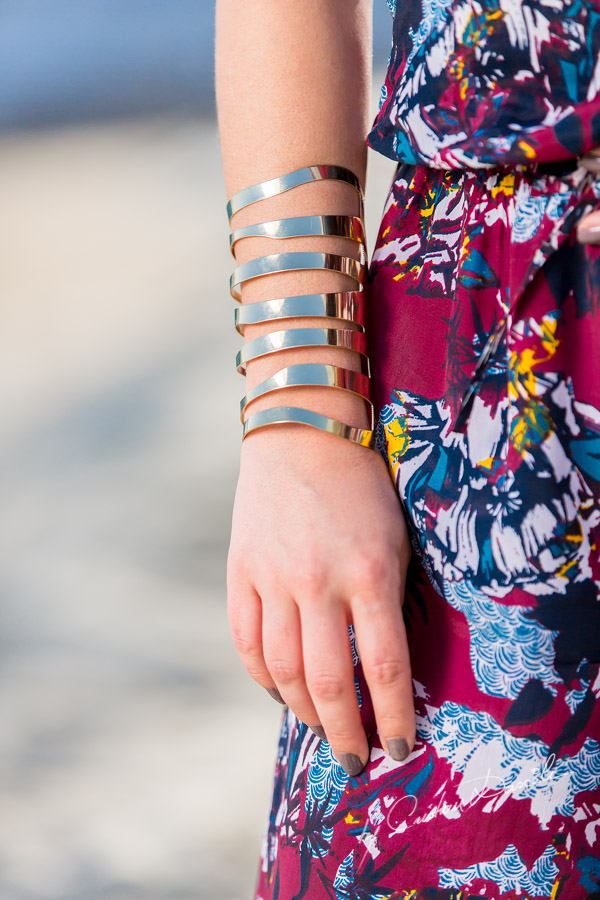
(293, 85)
(293, 89)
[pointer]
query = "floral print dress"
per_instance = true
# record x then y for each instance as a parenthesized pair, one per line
(486, 106)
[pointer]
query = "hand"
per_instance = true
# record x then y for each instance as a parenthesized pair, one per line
(588, 229)
(318, 542)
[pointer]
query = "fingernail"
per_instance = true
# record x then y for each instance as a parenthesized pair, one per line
(351, 763)
(275, 695)
(398, 748)
(589, 235)
(319, 731)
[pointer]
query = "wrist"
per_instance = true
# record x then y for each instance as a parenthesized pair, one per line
(302, 358)
(340, 405)
(304, 449)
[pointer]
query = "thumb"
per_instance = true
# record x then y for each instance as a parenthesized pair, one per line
(588, 229)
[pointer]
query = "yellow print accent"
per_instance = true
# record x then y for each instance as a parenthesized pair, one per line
(457, 68)
(549, 340)
(531, 427)
(402, 263)
(522, 378)
(427, 210)
(527, 149)
(477, 28)
(563, 571)
(506, 186)
(397, 440)
(558, 882)
(464, 247)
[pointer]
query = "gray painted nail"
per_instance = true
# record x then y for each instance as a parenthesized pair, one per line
(275, 695)
(351, 763)
(319, 731)
(398, 748)
(589, 235)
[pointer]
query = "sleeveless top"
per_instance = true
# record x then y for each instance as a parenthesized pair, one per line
(488, 83)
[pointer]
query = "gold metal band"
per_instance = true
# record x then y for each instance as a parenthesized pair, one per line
(306, 374)
(350, 227)
(282, 183)
(284, 414)
(348, 305)
(291, 262)
(303, 337)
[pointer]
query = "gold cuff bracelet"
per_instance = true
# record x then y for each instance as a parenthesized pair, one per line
(284, 414)
(307, 374)
(291, 262)
(279, 185)
(303, 337)
(350, 227)
(348, 305)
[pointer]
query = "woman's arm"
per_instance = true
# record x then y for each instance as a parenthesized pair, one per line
(318, 538)
(293, 85)
(293, 88)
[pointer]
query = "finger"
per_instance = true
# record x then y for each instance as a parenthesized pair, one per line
(282, 647)
(591, 160)
(588, 229)
(330, 679)
(385, 659)
(244, 613)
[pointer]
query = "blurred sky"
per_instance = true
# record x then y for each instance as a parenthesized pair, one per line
(76, 60)
(136, 755)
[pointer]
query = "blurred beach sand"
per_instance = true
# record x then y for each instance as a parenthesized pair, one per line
(136, 755)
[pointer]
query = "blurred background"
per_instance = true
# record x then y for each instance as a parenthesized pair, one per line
(136, 755)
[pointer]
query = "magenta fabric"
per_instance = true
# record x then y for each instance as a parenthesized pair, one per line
(486, 83)
(487, 105)
(500, 797)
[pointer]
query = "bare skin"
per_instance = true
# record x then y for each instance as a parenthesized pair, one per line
(588, 229)
(318, 536)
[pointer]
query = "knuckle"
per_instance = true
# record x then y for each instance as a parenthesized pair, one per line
(239, 567)
(243, 644)
(326, 686)
(371, 572)
(250, 654)
(385, 672)
(257, 674)
(310, 578)
(368, 567)
(284, 671)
